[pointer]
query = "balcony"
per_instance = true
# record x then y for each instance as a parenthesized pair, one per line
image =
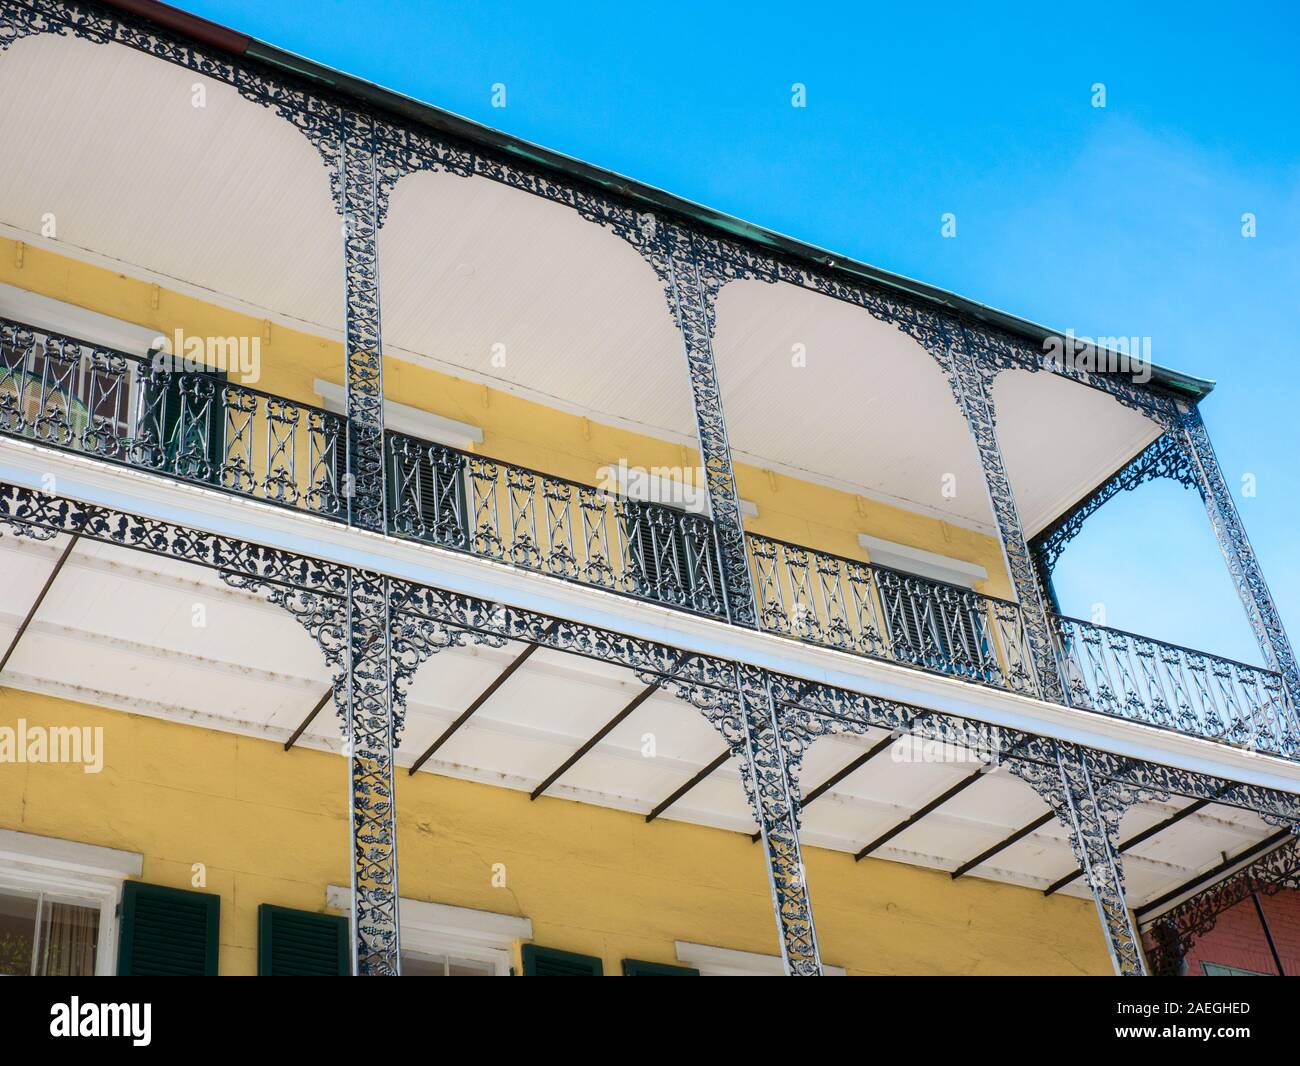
(197, 427)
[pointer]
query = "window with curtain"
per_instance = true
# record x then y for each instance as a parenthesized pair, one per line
(43, 937)
(430, 965)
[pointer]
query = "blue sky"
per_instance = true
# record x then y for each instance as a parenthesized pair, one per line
(1122, 221)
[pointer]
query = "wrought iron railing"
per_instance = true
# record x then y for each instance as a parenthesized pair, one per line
(553, 526)
(1134, 677)
(186, 423)
(200, 427)
(886, 614)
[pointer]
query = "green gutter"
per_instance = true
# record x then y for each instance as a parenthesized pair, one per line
(648, 196)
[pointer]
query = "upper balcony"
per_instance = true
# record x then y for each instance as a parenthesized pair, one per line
(540, 413)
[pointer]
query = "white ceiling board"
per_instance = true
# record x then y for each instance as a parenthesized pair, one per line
(869, 408)
(227, 197)
(524, 292)
(1060, 439)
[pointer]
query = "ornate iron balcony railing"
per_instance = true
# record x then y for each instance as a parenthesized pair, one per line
(197, 426)
(886, 614)
(554, 526)
(1129, 676)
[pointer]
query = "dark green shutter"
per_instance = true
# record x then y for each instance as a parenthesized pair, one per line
(444, 503)
(168, 932)
(548, 962)
(637, 968)
(294, 943)
(187, 423)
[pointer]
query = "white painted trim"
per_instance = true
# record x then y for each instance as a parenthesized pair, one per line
(918, 561)
(71, 872)
(45, 312)
(92, 481)
(726, 962)
(638, 483)
(410, 420)
(442, 929)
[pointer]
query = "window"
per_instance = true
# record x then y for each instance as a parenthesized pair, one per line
(1218, 969)
(58, 902)
(939, 626)
(417, 964)
(42, 937)
(725, 962)
(439, 940)
(94, 401)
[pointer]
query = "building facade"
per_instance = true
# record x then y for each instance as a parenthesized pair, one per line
(655, 594)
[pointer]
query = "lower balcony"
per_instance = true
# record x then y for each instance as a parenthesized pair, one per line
(198, 427)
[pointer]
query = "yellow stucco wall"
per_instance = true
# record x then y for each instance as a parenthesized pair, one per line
(515, 430)
(270, 827)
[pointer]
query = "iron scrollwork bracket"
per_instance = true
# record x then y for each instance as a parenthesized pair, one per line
(372, 651)
(1242, 564)
(1163, 458)
(1091, 808)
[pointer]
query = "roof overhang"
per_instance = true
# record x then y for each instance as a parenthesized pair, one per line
(227, 40)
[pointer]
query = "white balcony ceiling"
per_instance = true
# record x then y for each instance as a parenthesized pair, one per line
(118, 629)
(228, 202)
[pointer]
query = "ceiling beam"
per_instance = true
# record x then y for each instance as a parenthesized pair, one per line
(1133, 841)
(1019, 834)
(840, 775)
(40, 598)
(311, 717)
(916, 816)
(688, 786)
(482, 698)
(600, 735)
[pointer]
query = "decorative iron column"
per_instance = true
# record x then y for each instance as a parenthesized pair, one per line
(971, 382)
(359, 197)
(366, 699)
(691, 289)
(1091, 809)
(773, 796)
(1237, 552)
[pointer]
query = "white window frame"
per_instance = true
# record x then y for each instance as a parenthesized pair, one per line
(645, 487)
(412, 421)
(904, 557)
(726, 962)
(440, 929)
(68, 871)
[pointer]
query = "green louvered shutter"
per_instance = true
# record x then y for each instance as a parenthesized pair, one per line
(168, 932)
(547, 962)
(637, 968)
(184, 417)
(294, 943)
